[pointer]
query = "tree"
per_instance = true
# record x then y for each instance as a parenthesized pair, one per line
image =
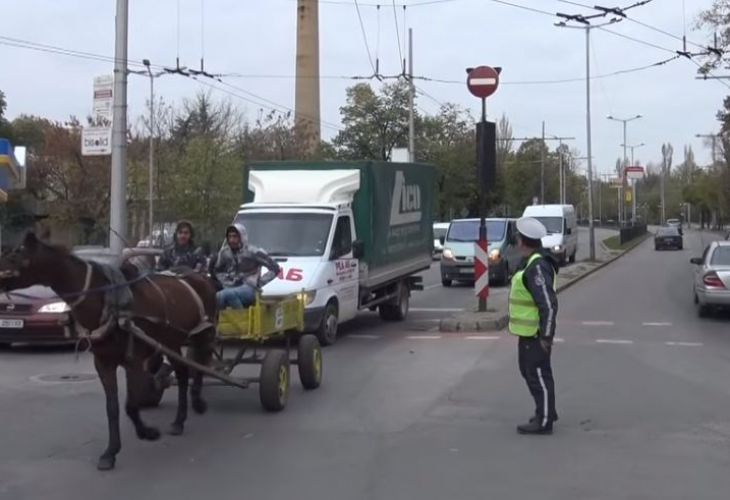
(717, 19)
(374, 123)
(5, 128)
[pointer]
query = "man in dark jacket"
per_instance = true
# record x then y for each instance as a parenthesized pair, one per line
(533, 307)
(237, 269)
(183, 252)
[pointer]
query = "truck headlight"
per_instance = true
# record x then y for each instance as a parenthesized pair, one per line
(494, 254)
(447, 254)
(307, 297)
(55, 307)
(558, 248)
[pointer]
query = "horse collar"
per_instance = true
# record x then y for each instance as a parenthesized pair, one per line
(87, 284)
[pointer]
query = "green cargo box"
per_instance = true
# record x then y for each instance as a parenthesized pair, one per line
(393, 212)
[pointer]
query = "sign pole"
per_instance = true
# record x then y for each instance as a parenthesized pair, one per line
(482, 82)
(482, 244)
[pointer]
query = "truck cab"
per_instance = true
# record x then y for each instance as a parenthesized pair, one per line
(307, 220)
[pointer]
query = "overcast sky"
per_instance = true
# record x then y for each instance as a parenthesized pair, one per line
(257, 37)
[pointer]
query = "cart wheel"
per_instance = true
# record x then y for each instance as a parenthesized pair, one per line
(274, 383)
(309, 361)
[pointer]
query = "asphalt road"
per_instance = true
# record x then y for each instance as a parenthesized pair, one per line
(643, 399)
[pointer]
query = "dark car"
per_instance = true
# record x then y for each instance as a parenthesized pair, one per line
(35, 315)
(668, 237)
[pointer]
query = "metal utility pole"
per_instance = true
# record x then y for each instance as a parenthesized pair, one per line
(306, 98)
(543, 138)
(151, 195)
(118, 203)
(624, 121)
(542, 166)
(632, 149)
(587, 26)
(411, 93)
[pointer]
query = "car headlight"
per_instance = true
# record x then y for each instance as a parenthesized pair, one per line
(494, 254)
(447, 254)
(55, 307)
(307, 297)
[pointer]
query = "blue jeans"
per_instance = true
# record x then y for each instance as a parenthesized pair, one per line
(236, 297)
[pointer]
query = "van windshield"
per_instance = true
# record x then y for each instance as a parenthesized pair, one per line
(553, 225)
(468, 230)
(439, 232)
(287, 234)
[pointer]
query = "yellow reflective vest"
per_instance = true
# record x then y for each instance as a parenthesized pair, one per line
(524, 316)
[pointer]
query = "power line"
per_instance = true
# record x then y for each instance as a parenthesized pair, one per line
(531, 9)
(648, 44)
(364, 37)
(397, 36)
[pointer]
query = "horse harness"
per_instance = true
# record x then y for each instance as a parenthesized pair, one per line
(109, 317)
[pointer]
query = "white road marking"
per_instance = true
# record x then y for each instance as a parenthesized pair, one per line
(427, 321)
(655, 324)
(686, 344)
(429, 287)
(558, 339)
(482, 337)
(363, 337)
(436, 309)
(423, 337)
(613, 341)
(597, 323)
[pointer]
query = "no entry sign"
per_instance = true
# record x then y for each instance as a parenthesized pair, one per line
(483, 81)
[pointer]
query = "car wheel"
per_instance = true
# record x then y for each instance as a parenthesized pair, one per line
(572, 257)
(327, 331)
(445, 282)
(4, 346)
(703, 310)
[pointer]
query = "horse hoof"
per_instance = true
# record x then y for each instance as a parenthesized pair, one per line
(200, 406)
(151, 434)
(176, 429)
(106, 463)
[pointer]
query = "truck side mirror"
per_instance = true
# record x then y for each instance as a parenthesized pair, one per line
(568, 231)
(442, 239)
(358, 249)
(696, 261)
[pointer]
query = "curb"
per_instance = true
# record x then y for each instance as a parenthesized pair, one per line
(452, 325)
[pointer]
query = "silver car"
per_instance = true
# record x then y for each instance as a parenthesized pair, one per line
(712, 277)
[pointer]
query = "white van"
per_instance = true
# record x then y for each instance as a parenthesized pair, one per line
(562, 228)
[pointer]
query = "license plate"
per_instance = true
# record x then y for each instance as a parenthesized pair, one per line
(466, 270)
(11, 323)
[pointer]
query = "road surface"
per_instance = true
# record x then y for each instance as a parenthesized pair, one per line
(405, 413)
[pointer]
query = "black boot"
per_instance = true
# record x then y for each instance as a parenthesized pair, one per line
(534, 427)
(535, 417)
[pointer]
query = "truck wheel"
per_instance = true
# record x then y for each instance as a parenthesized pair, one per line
(274, 382)
(309, 362)
(399, 310)
(445, 282)
(327, 332)
(572, 257)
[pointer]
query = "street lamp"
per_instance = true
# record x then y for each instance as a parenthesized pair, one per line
(148, 72)
(624, 121)
(632, 149)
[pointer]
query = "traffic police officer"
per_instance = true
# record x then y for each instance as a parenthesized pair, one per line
(533, 306)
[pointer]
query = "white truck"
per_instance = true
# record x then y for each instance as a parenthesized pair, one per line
(348, 236)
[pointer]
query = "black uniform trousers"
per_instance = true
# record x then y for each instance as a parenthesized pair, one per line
(538, 373)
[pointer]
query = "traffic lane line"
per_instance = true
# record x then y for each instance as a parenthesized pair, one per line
(649, 323)
(597, 323)
(685, 344)
(613, 341)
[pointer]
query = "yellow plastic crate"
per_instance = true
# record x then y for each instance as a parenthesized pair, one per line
(263, 319)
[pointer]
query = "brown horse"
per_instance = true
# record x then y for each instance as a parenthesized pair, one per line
(174, 311)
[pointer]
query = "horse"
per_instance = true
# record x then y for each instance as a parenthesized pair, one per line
(173, 310)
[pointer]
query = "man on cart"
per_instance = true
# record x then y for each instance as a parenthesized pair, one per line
(183, 252)
(238, 269)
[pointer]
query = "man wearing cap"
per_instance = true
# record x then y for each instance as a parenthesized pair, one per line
(533, 306)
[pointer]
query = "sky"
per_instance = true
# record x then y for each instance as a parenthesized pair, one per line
(254, 42)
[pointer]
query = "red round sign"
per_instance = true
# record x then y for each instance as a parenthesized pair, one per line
(483, 81)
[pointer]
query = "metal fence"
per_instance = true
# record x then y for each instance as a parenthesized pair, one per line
(631, 232)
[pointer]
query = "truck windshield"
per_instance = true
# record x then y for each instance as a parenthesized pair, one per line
(468, 230)
(554, 225)
(287, 234)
